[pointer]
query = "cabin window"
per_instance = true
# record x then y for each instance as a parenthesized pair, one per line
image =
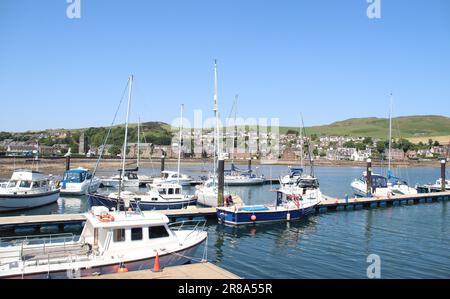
(155, 232)
(12, 184)
(36, 185)
(25, 184)
(162, 191)
(177, 191)
(136, 234)
(170, 191)
(44, 183)
(119, 235)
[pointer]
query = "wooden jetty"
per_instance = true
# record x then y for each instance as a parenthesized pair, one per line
(204, 270)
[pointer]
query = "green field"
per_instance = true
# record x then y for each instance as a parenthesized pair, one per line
(422, 126)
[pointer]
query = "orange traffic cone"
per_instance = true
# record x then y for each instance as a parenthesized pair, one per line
(157, 266)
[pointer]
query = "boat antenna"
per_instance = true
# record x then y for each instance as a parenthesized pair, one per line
(179, 143)
(124, 152)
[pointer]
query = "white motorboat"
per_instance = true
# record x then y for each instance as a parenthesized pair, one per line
(129, 179)
(79, 181)
(295, 173)
(163, 196)
(27, 189)
(379, 186)
(173, 177)
(109, 241)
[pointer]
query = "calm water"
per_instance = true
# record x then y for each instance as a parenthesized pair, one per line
(412, 241)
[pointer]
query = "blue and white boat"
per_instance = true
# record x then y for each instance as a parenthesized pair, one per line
(240, 177)
(79, 181)
(166, 196)
(291, 203)
(295, 173)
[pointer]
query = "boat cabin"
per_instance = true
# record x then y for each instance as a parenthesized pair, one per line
(116, 232)
(27, 181)
(78, 175)
(378, 181)
(165, 190)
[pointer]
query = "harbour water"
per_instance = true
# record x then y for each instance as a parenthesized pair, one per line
(412, 241)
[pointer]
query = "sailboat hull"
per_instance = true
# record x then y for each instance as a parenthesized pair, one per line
(101, 200)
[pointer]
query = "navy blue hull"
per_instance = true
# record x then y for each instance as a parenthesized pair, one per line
(101, 200)
(240, 217)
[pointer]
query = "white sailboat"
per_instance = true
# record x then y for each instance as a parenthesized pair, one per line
(207, 193)
(395, 184)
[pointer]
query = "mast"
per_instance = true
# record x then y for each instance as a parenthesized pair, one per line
(216, 115)
(138, 142)
(301, 143)
(309, 150)
(390, 135)
(124, 152)
(179, 144)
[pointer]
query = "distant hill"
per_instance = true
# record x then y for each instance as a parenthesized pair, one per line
(414, 127)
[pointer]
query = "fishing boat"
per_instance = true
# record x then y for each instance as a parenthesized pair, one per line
(164, 196)
(379, 186)
(296, 203)
(173, 177)
(239, 177)
(109, 242)
(79, 181)
(28, 189)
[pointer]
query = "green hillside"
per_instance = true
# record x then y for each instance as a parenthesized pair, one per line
(406, 127)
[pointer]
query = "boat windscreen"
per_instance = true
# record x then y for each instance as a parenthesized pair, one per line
(379, 181)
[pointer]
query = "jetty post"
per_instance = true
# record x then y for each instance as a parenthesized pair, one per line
(249, 163)
(163, 162)
(221, 181)
(68, 162)
(369, 177)
(443, 162)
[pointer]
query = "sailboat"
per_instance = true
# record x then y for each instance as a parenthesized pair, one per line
(395, 184)
(207, 193)
(159, 197)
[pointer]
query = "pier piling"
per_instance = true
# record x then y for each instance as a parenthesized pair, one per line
(221, 181)
(369, 178)
(67, 162)
(443, 162)
(163, 162)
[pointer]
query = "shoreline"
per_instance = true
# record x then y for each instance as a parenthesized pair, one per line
(58, 165)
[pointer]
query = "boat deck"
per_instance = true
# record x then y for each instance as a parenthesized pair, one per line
(189, 271)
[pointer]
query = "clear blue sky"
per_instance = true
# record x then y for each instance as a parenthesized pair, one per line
(323, 58)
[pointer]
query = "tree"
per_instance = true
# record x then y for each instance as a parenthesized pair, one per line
(292, 132)
(360, 146)
(381, 146)
(430, 142)
(436, 143)
(115, 150)
(314, 137)
(349, 144)
(368, 141)
(315, 152)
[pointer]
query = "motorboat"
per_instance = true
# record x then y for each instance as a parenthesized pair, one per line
(238, 177)
(79, 181)
(129, 179)
(28, 189)
(379, 186)
(292, 203)
(173, 177)
(163, 196)
(399, 186)
(295, 173)
(109, 242)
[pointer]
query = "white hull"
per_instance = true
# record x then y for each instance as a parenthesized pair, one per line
(115, 183)
(81, 188)
(206, 197)
(182, 182)
(20, 202)
(243, 181)
(359, 189)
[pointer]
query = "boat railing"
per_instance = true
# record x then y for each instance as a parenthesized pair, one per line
(36, 239)
(194, 226)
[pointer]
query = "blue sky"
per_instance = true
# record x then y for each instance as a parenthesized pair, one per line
(326, 59)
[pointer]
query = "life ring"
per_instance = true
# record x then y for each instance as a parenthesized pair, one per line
(106, 218)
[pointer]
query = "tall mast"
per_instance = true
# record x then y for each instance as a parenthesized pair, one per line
(390, 134)
(139, 142)
(124, 152)
(179, 143)
(301, 143)
(216, 115)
